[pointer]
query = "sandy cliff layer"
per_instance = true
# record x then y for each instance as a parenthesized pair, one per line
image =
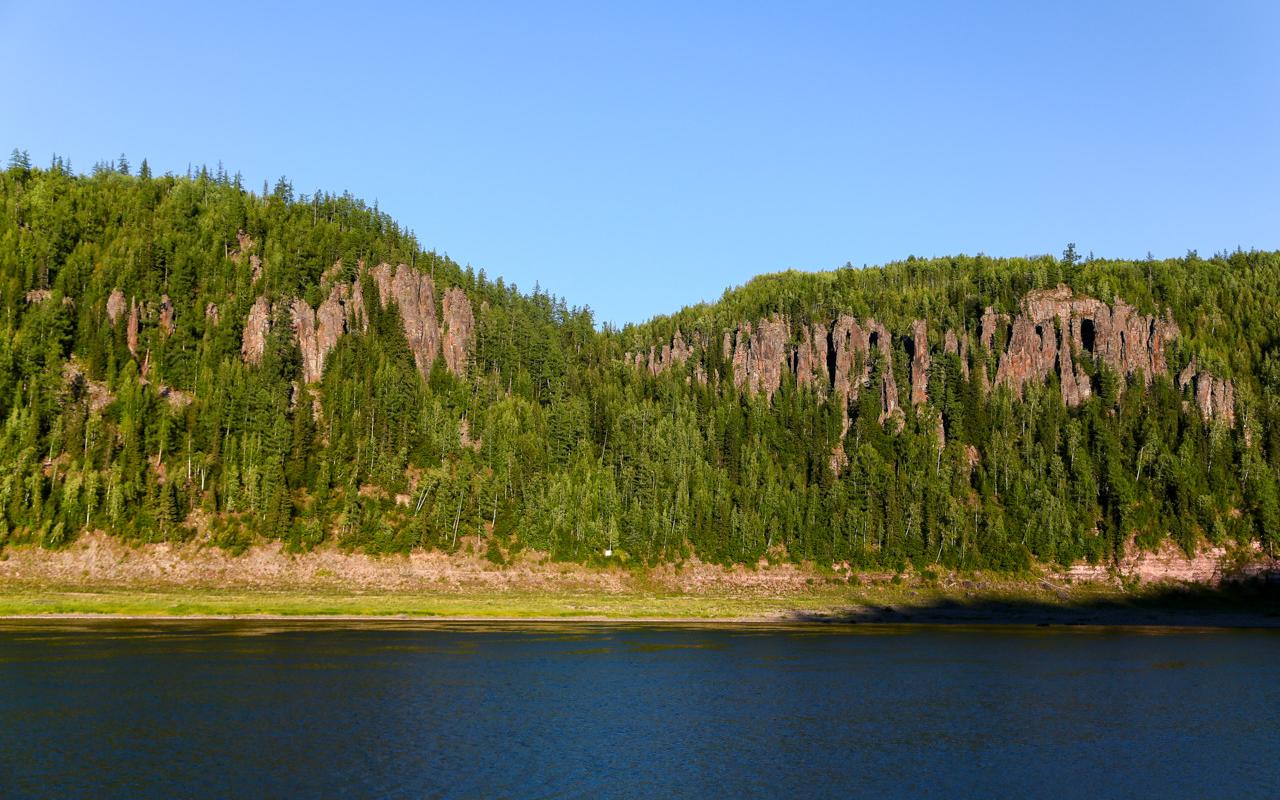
(97, 559)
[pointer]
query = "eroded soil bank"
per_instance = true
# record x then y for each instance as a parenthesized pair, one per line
(98, 559)
(99, 574)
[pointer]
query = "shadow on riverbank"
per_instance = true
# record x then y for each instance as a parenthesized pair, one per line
(1252, 604)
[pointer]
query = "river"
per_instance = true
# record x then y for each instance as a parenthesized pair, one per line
(169, 709)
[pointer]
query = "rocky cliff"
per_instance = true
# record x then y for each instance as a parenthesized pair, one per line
(1056, 327)
(458, 330)
(1055, 332)
(319, 330)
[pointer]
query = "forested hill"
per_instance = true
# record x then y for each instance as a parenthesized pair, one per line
(183, 358)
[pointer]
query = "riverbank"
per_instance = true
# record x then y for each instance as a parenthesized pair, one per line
(1004, 603)
(100, 575)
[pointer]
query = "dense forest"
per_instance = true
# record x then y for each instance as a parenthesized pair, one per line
(184, 358)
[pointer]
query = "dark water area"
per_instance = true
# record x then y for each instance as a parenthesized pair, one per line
(380, 709)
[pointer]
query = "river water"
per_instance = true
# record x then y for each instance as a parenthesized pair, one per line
(385, 709)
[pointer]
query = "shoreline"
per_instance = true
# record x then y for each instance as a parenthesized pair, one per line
(1113, 612)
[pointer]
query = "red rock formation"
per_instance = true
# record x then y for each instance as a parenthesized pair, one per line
(166, 314)
(811, 359)
(414, 294)
(1215, 398)
(853, 345)
(1053, 329)
(1055, 325)
(318, 331)
(357, 318)
(988, 325)
(115, 305)
(459, 331)
(958, 346)
(211, 313)
(131, 328)
(254, 339)
(759, 355)
(850, 345)
(677, 351)
(920, 362)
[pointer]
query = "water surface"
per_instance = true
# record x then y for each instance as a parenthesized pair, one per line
(384, 709)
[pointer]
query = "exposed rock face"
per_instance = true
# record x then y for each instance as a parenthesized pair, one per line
(1076, 387)
(415, 295)
(1030, 355)
(920, 362)
(131, 328)
(674, 353)
(759, 355)
(459, 331)
(166, 314)
(850, 346)
(254, 339)
(358, 318)
(211, 313)
(115, 305)
(958, 346)
(1215, 398)
(1053, 329)
(343, 310)
(988, 325)
(318, 331)
(1055, 326)
(811, 359)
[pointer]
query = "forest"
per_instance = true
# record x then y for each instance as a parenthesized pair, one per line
(184, 358)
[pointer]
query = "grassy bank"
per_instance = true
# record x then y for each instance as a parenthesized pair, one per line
(1007, 602)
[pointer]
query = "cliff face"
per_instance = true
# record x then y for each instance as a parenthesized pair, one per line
(1056, 327)
(253, 340)
(458, 331)
(115, 305)
(132, 328)
(318, 330)
(1052, 331)
(919, 362)
(1215, 398)
(415, 295)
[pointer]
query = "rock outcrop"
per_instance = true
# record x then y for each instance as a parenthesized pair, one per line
(131, 328)
(760, 355)
(1215, 398)
(414, 294)
(459, 331)
(318, 331)
(166, 315)
(1055, 327)
(958, 346)
(920, 362)
(674, 353)
(115, 305)
(1050, 335)
(811, 359)
(253, 341)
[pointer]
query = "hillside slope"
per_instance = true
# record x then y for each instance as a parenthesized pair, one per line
(182, 358)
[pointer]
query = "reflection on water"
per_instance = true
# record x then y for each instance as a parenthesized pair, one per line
(436, 709)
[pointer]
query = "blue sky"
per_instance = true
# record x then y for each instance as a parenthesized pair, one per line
(640, 157)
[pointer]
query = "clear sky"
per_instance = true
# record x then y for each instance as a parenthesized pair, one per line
(637, 157)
